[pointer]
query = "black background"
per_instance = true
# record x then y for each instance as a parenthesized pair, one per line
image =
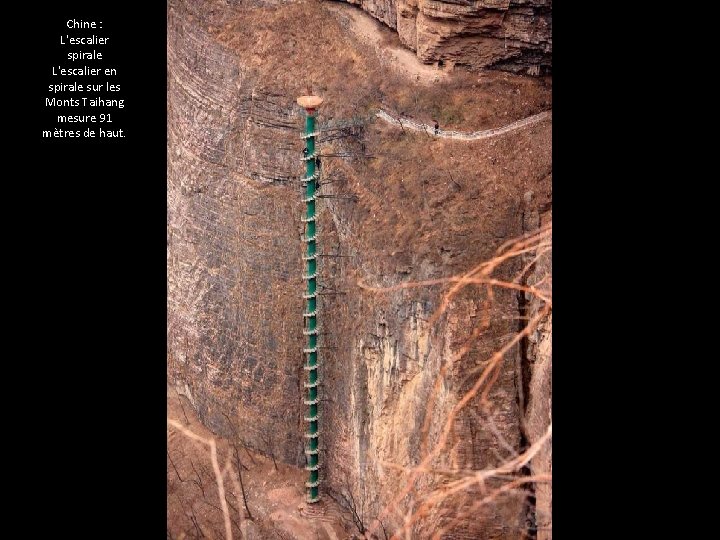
(84, 225)
(85, 258)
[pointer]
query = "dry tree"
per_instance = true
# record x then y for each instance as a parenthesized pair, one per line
(455, 490)
(448, 496)
(239, 465)
(357, 505)
(220, 476)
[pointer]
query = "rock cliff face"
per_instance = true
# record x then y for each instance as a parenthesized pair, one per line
(233, 245)
(537, 353)
(234, 269)
(514, 35)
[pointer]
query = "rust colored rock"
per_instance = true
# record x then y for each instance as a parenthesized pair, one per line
(514, 35)
(234, 268)
(234, 256)
(538, 358)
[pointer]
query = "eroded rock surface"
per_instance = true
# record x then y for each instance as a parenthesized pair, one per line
(515, 35)
(421, 209)
(233, 243)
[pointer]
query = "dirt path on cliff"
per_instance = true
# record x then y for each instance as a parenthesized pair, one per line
(407, 123)
(393, 55)
(275, 498)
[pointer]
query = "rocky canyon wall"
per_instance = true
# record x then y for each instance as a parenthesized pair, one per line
(388, 368)
(514, 35)
(537, 370)
(233, 243)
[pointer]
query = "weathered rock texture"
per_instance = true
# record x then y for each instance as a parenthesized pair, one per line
(515, 35)
(233, 243)
(537, 356)
(234, 267)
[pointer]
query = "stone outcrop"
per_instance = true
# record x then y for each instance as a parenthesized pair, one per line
(514, 35)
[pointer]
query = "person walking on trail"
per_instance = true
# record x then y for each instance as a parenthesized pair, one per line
(437, 127)
(305, 152)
